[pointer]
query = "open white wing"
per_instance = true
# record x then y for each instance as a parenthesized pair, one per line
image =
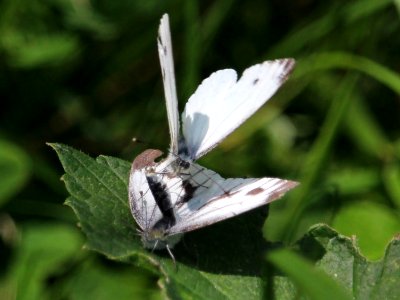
(218, 199)
(221, 104)
(168, 74)
(199, 198)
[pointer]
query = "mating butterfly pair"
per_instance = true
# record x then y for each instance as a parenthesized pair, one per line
(177, 195)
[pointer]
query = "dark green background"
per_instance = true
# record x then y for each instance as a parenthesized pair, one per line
(86, 74)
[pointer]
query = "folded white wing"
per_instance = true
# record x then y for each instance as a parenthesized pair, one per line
(143, 205)
(142, 201)
(221, 104)
(168, 74)
(218, 199)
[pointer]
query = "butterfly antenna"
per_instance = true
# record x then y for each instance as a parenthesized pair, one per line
(136, 140)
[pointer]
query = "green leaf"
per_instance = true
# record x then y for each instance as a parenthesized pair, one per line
(316, 29)
(339, 257)
(313, 282)
(373, 224)
(391, 180)
(14, 170)
(365, 131)
(44, 251)
(330, 60)
(29, 51)
(316, 157)
(222, 262)
(352, 181)
(93, 280)
(98, 190)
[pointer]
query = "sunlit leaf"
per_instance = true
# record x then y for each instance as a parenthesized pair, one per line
(341, 269)
(373, 224)
(204, 265)
(219, 262)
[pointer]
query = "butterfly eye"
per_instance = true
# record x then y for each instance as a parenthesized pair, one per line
(150, 170)
(183, 164)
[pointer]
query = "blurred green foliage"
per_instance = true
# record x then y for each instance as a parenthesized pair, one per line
(86, 73)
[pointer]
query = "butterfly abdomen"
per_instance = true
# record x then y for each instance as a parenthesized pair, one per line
(163, 201)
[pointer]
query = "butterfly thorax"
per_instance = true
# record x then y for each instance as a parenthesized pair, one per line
(170, 168)
(183, 158)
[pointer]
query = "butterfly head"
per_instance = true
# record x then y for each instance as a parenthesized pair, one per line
(157, 238)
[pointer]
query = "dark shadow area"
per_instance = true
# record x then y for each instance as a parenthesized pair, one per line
(234, 246)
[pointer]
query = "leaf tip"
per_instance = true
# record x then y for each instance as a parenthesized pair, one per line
(55, 146)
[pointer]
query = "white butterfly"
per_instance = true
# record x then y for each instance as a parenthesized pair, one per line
(176, 195)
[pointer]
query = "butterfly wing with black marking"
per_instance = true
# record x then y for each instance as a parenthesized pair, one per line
(219, 199)
(141, 200)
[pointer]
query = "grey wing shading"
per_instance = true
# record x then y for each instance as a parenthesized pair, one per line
(220, 199)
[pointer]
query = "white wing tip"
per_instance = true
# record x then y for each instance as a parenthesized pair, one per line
(164, 18)
(286, 186)
(286, 66)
